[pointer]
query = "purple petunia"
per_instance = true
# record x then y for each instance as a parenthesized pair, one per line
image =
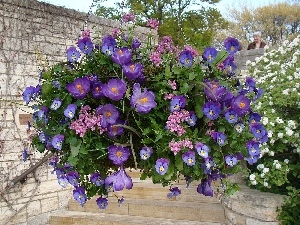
(79, 88)
(79, 195)
(210, 54)
(109, 113)
(241, 105)
(189, 158)
(212, 110)
(85, 44)
(186, 58)
(132, 70)
(57, 141)
(161, 166)
(122, 56)
(73, 54)
(118, 154)
(114, 89)
(142, 101)
(231, 45)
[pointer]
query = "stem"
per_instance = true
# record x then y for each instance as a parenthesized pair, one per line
(133, 152)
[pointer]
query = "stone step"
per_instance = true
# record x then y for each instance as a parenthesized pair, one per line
(83, 218)
(169, 209)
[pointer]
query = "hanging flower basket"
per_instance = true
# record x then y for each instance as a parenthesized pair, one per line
(116, 103)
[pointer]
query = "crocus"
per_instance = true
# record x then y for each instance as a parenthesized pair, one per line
(57, 141)
(162, 166)
(204, 188)
(73, 54)
(219, 137)
(96, 179)
(144, 101)
(132, 70)
(189, 158)
(79, 195)
(79, 88)
(145, 153)
(214, 91)
(186, 58)
(177, 103)
(241, 105)
(97, 90)
(109, 113)
(212, 110)
(121, 56)
(85, 44)
(118, 154)
(114, 89)
(230, 160)
(202, 149)
(55, 104)
(70, 111)
(209, 54)
(135, 44)
(231, 45)
(102, 202)
(231, 116)
(114, 130)
(119, 180)
(73, 177)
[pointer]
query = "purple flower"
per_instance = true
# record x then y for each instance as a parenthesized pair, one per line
(210, 54)
(115, 130)
(85, 44)
(93, 79)
(118, 154)
(186, 58)
(189, 158)
(254, 118)
(70, 111)
(145, 153)
(214, 91)
(57, 141)
(241, 105)
(102, 202)
(162, 166)
(60, 172)
(252, 159)
(202, 149)
(250, 84)
(55, 104)
(228, 65)
(212, 110)
(231, 45)
(114, 89)
(109, 113)
(107, 49)
(73, 177)
(207, 165)
(205, 188)
(239, 127)
(219, 137)
(28, 94)
(231, 116)
(253, 147)
(258, 93)
(230, 160)
(119, 180)
(109, 40)
(24, 155)
(132, 70)
(142, 101)
(128, 17)
(43, 114)
(153, 23)
(192, 119)
(258, 130)
(72, 54)
(79, 88)
(79, 195)
(97, 90)
(175, 191)
(63, 181)
(135, 44)
(96, 178)
(121, 56)
(56, 84)
(177, 103)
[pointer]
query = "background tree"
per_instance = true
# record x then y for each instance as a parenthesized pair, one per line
(196, 20)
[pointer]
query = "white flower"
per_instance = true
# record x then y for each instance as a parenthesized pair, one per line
(273, 110)
(272, 141)
(270, 133)
(275, 162)
(280, 135)
(266, 184)
(266, 170)
(271, 153)
(286, 161)
(248, 62)
(262, 175)
(265, 120)
(285, 92)
(252, 177)
(289, 132)
(260, 166)
(253, 182)
(278, 166)
(278, 120)
(272, 124)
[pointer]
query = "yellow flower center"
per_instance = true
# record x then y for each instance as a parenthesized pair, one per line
(190, 160)
(242, 104)
(161, 168)
(119, 153)
(120, 52)
(79, 87)
(114, 90)
(108, 114)
(132, 67)
(143, 100)
(232, 48)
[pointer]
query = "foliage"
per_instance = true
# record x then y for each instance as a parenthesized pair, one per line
(278, 72)
(166, 110)
(176, 18)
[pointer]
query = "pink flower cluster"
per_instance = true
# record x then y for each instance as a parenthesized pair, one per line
(194, 52)
(128, 17)
(87, 120)
(86, 33)
(175, 119)
(153, 23)
(176, 146)
(172, 84)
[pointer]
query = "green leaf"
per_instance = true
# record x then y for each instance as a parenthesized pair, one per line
(192, 76)
(73, 160)
(143, 176)
(185, 88)
(168, 71)
(222, 55)
(75, 149)
(178, 162)
(46, 88)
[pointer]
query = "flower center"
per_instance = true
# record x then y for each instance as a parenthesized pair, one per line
(119, 153)
(190, 160)
(114, 90)
(80, 89)
(143, 100)
(232, 48)
(120, 52)
(209, 57)
(161, 168)
(108, 114)
(132, 67)
(242, 104)
(231, 117)
(145, 156)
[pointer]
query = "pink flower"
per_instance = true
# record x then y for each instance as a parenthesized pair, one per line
(192, 50)
(172, 84)
(128, 17)
(86, 33)
(153, 23)
(169, 96)
(115, 32)
(155, 58)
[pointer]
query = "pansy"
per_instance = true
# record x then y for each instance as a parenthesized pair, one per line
(135, 44)
(186, 58)
(119, 180)
(210, 54)
(192, 119)
(57, 141)
(56, 84)
(69, 112)
(239, 127)
(253, 147)
(204, 188)
(97, 90)
(202, 149)
(177, 103)
(118, 154)
(231, 116)
(79, 88)
(231, 45)
(109, 113)
(79, 195)
(175, 191)
(28, 93)
(73, 54)
(144, 101)
(208, 165)
(96, 179)
(241, 105)
(102, 202)
(231, 160)
(132, 70)
(73, 177)
(122, 56)
(114, 89)
(145, 153)
(258, 130)
(85, 44)
(252, 159)
(63, 181)
(162, 165)
(212, 110)
(219, 137)
(189, 158)
(250, 84)
(56, 104)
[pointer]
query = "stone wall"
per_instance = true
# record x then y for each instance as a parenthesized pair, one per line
(33, 35)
